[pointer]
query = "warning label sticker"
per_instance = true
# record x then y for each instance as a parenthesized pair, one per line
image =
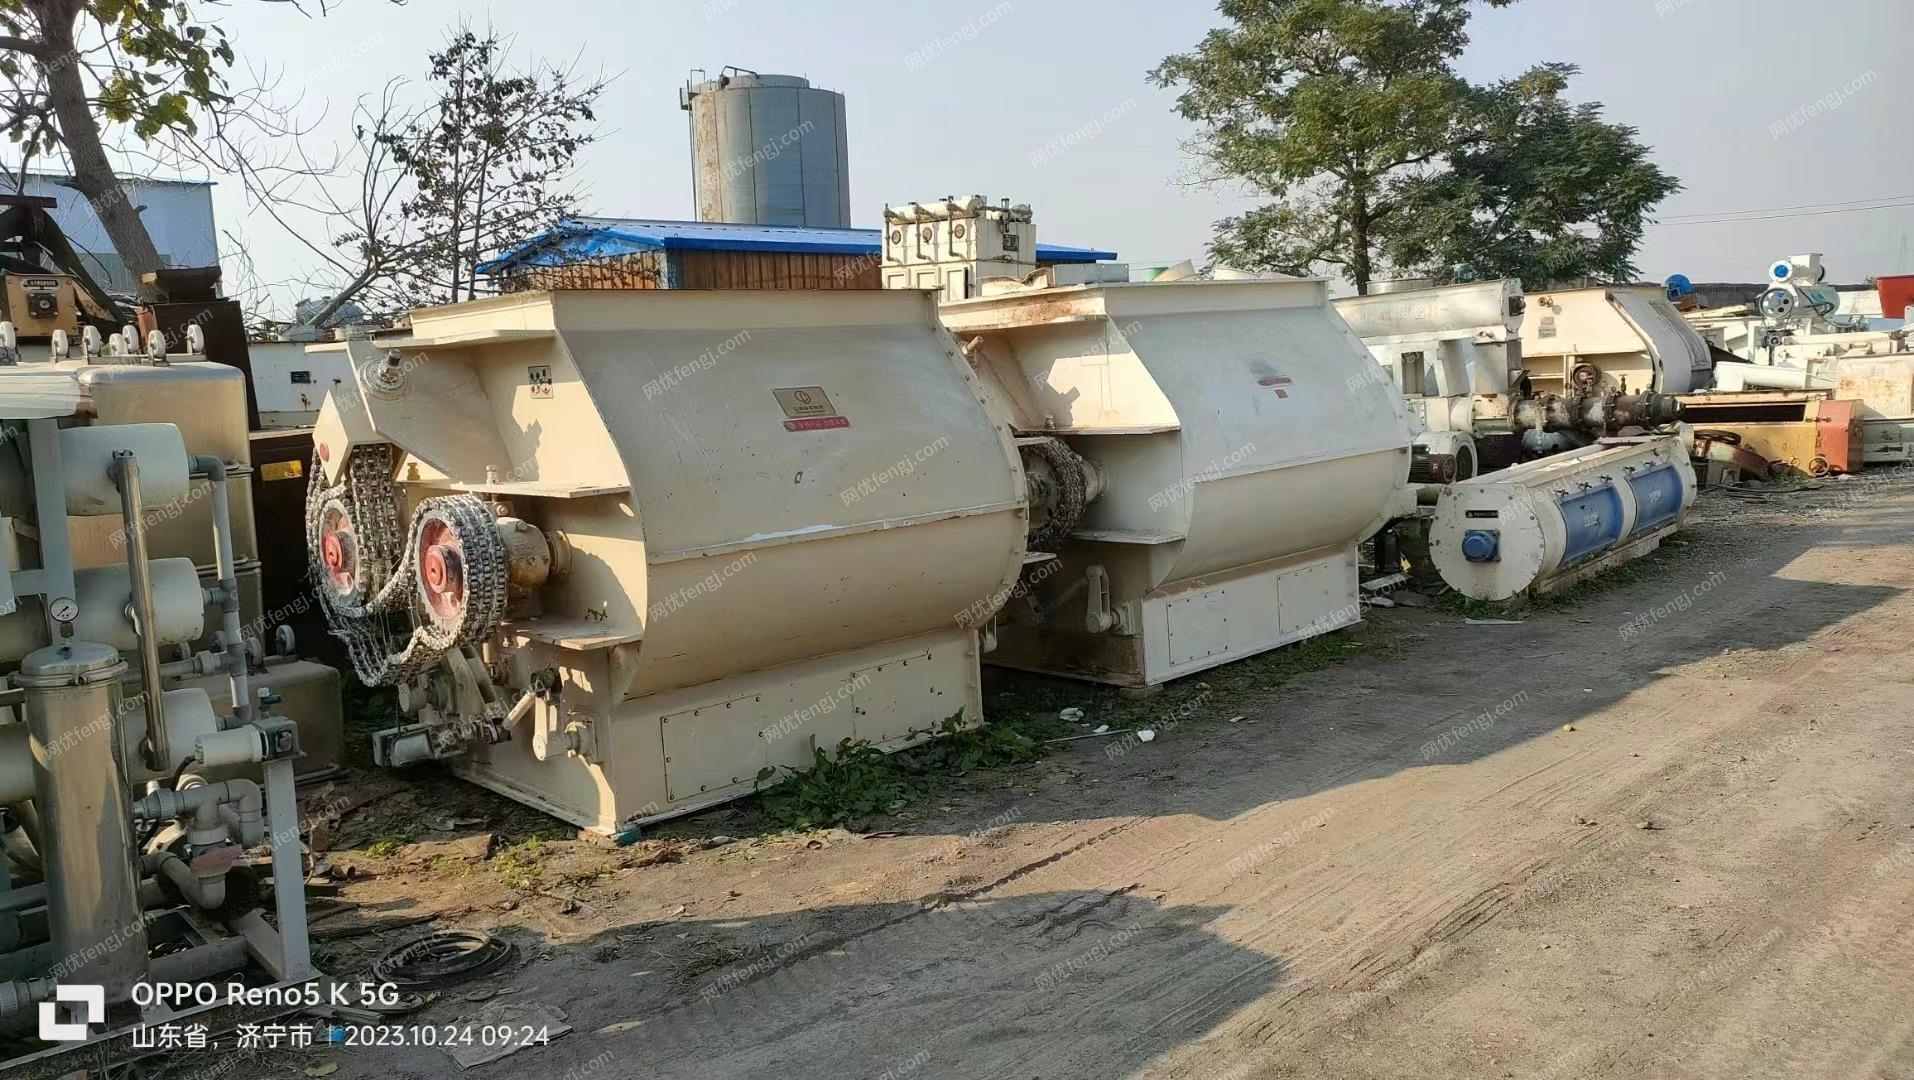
(540, 378)
(817, 423)
(282, 470)
(1278, 383)
(799, 402)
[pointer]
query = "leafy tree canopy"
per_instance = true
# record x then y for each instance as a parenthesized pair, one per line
(1349, 114)
(1541, 189)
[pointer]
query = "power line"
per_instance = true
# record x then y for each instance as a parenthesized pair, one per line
(1773, 217)
(1797, 206)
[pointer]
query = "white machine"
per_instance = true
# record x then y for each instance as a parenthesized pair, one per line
(1546, 524)
(954, 245)
(1456, 353)
(1797, 315)
(951, 245)
(1614, 339)
(1205, 457)
(1801, 335)
(86, 769)
(621, 552)
(291, 379)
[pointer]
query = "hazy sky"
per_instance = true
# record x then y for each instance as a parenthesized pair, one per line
(1754, 104)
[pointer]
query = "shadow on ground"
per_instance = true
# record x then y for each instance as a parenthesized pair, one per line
(882, 990)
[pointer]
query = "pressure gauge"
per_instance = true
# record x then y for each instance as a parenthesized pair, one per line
(64, 609)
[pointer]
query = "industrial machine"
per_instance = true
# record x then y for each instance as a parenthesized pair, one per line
(90, 772)
(620, 552)
(1611, 339)
(206, 401)
(1799, 432)
(1456, 354)
(44, 284)
(1797, 314)
(1546, 524)
(958, 247)
(1204, 457)
(1807, 344)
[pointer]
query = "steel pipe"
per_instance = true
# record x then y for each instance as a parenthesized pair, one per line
(245, 709)
(127, 475)
(230, 805)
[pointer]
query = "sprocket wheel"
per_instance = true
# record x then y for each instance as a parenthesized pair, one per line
(1059, 490)
(459, 566)
(341, 570)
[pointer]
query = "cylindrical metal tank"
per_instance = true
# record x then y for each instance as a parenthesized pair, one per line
(93, 907)
(199, 404)
(207, 402)
(1547, 523)
(768, 150)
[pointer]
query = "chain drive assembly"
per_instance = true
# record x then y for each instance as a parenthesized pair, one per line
(1061, 485)
(400, 598)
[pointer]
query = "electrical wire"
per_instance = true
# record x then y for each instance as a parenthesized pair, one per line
(1797, 206)
(1794, 215)
(442, 959)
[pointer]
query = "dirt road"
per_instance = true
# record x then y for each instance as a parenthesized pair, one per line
(1404, 865)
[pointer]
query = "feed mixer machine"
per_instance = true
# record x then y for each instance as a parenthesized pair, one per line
(1207, 457)
(620, 552)
(624, 552)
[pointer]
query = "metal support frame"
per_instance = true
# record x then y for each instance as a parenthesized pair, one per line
(54, 579)
(288, 871)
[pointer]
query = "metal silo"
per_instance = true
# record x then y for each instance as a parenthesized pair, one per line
(767, 150)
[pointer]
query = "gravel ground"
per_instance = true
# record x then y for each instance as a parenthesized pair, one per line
(1662, 831)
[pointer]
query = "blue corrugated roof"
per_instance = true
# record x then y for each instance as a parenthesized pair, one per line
(597, 237)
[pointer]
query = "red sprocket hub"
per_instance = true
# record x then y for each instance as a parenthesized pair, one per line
(338, 551)
(442, 570)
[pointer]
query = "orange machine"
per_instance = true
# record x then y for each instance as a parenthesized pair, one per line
(1804, 431)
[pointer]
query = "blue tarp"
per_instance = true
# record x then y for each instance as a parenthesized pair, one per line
(596, 238)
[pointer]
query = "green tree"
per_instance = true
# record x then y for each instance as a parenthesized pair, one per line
(1540, 189)
(1350, 115)
(70, 68)
(1329, 106)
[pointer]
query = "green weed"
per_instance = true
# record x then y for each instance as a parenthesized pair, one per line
(858, 781)
(517, 865)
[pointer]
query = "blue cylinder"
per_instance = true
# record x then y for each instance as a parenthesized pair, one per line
(1657, 494)
(1591, 522)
